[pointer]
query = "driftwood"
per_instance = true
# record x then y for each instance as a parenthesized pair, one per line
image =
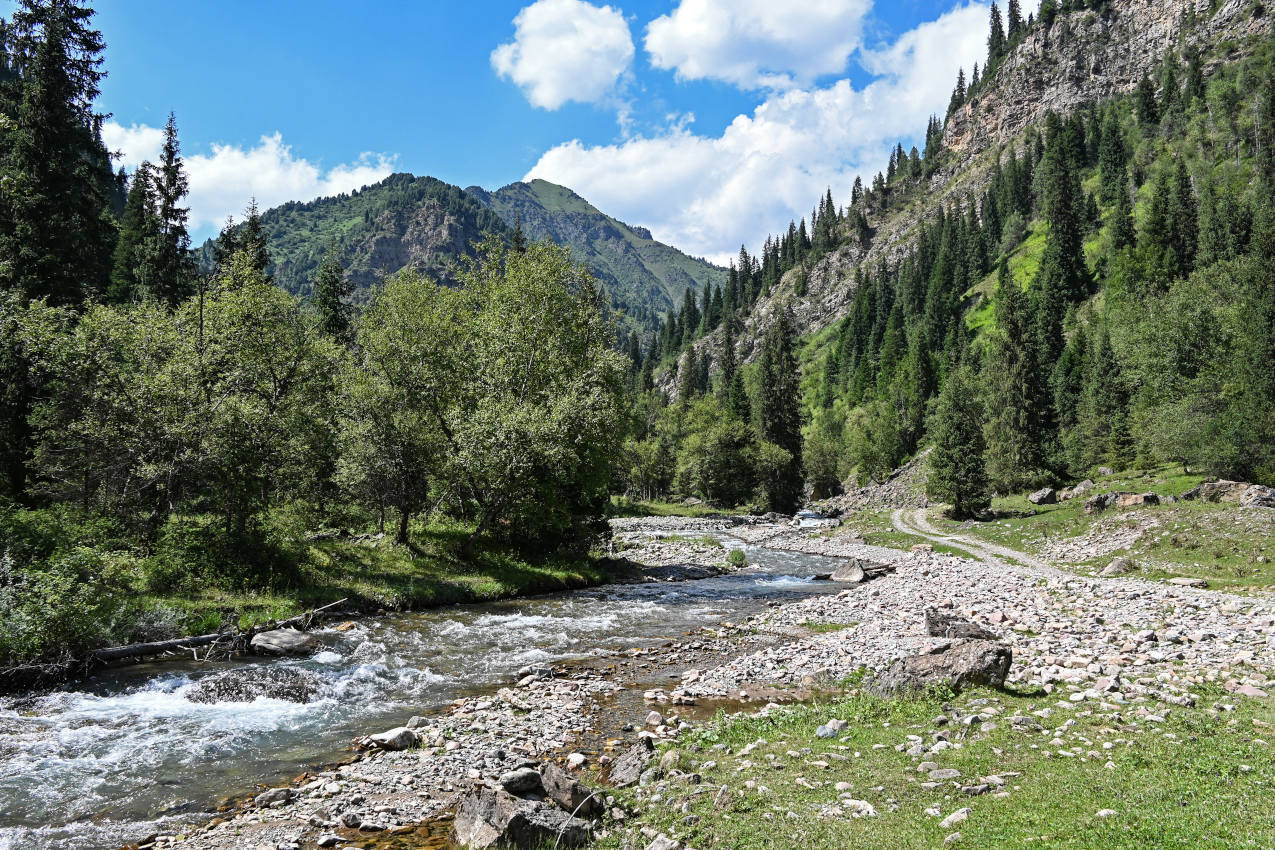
(138, 650)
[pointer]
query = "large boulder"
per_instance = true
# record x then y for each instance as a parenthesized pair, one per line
(1137, 500)
(491, 817)
(938, 624)
(849, 573)
(246, 684)
(1098, 504)
(284, 642)
(398, 738)
(959, 666)
(1117, 567)
(568, 792)
(1218, 491)
(1044, 496)
(627, 769)
(1258, 496)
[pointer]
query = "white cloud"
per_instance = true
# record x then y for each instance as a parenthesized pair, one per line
(565, 50)
(708, 194)
(756, 43)
(222, 183)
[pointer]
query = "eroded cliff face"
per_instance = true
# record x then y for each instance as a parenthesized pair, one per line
(425, 238)
(1082, 58)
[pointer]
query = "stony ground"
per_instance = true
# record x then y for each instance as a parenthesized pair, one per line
(1125, 646)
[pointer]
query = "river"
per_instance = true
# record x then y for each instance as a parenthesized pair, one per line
(127, 752)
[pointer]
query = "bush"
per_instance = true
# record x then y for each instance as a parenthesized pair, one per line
(737, 558)
(59, 608)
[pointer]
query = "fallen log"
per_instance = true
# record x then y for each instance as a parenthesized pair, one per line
(137, 650)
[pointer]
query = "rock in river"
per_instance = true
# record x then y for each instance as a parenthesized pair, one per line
(246, 684)
(284, 642)
(490, 817)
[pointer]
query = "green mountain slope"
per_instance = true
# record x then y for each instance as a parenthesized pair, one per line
(403, 221)
(645, 278)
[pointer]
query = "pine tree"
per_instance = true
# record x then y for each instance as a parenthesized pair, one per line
(331, 292)
(996, 39)
(519, 240)
(1112, 159)
(57, 233)
(779, 410)
(1148, 108)
(1063, 278)
(134, 260)
(174, 273)
(1015, 21)
(1016, 429)
(253, 239)
(688, 377)
(1102, 421)
(1123, 234)
(958, 475)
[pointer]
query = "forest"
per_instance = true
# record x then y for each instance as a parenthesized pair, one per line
(1105, 300)
(169, 434)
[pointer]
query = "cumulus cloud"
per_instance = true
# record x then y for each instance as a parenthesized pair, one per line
(222, 182)
(756, 43)
(707, 194)
(565, 50)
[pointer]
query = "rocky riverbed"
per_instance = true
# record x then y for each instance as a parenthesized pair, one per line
(1122, 643)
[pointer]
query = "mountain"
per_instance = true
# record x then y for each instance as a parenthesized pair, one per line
(645, 278)
(403, 221)
(423, 223)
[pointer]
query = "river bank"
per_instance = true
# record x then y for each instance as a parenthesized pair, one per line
(1122, 646)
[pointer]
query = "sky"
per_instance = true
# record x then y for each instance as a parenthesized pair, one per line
(711, 122)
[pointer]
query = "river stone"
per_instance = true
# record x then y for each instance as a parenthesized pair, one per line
(490, 817)
(938, 624)
(849, 573)
(563, 789)
(522, 782)
(1117, 567)
(398, 738)
(628, 768)
(245, 684)
(284, 642)
(962, 665)
(274, 795)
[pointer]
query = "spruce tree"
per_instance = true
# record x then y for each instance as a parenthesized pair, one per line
(688, 377)
(779, 410)
(1112, 159)
(57, 232)
(1148, 108)
(133, 263)
(995, 39)
(1015, 22)
(1063, 278)
(174, 273)
(1017, 422)
(1102, 421)
(253, 240)
(331, 294)
(1123, 233)
(957, 474)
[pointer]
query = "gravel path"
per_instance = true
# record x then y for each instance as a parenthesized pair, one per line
(917, 523)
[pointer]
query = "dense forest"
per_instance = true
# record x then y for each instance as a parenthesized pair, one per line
(167, 431)
(1104, 300)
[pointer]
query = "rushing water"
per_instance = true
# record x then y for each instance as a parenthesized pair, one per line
(129, 752)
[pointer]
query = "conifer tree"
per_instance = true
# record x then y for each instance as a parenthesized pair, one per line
(779, 411)
(331, 294)
(1112, 159)
(253, 239)
(958, 475)
(57, 232)
(174, 273)
(995, 40)
(133, 266)
(688, 377)
(1102, 420)
(1017, 419)
(1063, 278)
(1148, 108)
(1123, 234)
(1015, 23)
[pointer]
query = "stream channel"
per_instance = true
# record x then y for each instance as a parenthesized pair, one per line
(128, 752)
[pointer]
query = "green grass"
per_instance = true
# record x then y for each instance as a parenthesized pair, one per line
(877, 529)
(377, 574)
(1229, 546)
(1201, 779)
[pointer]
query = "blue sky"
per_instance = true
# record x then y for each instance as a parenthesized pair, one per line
(710, 121)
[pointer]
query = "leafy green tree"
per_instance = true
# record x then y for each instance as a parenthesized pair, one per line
(779, 412)
(397, 394)
(958, 475)
(57, 233)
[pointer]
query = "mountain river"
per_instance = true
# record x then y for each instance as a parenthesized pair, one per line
(128, 752)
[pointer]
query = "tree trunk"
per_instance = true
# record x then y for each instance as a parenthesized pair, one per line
(403, 517)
